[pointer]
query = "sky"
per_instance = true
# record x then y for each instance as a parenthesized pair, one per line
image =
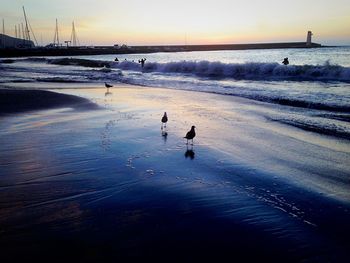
(166, 22)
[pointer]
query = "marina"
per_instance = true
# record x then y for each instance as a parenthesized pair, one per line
(23, 45)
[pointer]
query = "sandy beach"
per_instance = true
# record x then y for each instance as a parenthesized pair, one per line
(103, 182)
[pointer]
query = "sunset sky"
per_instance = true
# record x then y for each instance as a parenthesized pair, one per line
(144, 22)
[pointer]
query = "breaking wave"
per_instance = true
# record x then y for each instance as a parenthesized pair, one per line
(265, 82)
(207, 69)
(259, 71)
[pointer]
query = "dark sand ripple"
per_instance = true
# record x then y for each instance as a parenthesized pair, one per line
(16, 100)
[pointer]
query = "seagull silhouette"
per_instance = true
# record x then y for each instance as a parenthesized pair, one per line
(164, 120)
(108, 85)
(191, 134)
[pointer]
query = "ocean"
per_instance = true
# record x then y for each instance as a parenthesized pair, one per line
(267, 178)
(314, 88)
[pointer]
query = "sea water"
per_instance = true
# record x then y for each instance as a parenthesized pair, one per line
(314, 89)
(66, 188)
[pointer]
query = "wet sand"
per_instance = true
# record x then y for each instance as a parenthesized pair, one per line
(107, 184)
(21, 100)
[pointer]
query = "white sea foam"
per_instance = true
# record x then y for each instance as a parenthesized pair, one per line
(316, 80)
(252, 71)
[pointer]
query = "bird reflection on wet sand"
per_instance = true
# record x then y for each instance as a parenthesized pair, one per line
(189, 153)
(108, 93)
(164, 135)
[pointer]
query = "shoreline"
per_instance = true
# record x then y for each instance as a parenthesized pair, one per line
(109, 184)
(82, 96)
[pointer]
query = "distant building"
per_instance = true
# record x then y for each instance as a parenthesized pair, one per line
(12, 42)
(308, 38)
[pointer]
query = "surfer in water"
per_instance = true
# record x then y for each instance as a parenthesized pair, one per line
(142, 61)
(285, 61)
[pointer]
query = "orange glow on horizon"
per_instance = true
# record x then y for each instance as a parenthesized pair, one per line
(108, 22)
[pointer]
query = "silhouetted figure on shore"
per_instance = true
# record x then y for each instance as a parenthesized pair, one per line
(116, 59)
(164, 120)
(142, 61)
(285, 61)
(191, 134)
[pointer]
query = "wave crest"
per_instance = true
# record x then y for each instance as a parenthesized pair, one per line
(260, 71)
(249, 70)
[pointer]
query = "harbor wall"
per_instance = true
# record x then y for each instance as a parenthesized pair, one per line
(99, 50)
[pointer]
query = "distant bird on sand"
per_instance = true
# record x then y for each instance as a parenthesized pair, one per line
(164, 120)
(191, 134)
(108, 85)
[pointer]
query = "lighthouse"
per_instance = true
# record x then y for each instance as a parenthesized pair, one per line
(308, 38)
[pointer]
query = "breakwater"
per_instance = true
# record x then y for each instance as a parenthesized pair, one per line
(99, 50)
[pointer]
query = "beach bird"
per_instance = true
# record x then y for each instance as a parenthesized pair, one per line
(190, 134)
(164, 120)
(108, 85)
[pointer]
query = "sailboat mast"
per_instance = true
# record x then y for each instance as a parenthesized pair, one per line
(74, 35)
(56, 40)
(23, 34)
(26, 28)
(74, 38)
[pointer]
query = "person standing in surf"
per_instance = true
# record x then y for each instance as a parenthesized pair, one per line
(142, 61)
